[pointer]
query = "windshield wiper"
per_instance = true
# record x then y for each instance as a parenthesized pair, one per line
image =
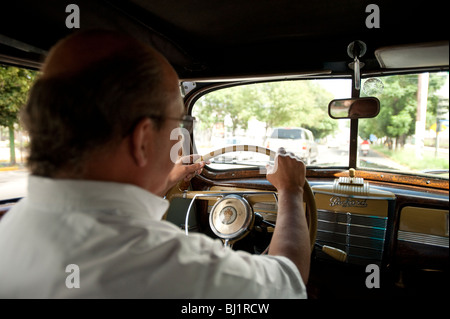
(241, 163)
(435, 171)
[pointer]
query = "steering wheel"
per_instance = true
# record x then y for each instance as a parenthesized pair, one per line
(235, 205)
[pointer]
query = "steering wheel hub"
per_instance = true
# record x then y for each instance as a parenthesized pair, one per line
(231, 218)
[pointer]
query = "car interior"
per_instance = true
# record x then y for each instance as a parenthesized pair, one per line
(377, 231)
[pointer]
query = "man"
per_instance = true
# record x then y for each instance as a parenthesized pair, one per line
(99, 119)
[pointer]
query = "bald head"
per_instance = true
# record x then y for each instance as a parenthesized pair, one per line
(85, 49)
(95, 86)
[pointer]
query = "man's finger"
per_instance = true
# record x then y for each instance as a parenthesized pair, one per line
(193, 168)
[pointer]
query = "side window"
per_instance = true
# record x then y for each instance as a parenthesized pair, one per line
(274, 133)
(14, 86)
(302, 134)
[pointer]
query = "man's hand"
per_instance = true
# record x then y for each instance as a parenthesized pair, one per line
(185, 169)
(291, 235)
(288, 172)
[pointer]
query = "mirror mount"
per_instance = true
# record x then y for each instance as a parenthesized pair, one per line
(355, 50)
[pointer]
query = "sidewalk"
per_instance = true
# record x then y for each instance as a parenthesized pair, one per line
(10, 168)
(384, 160)
(5, 159)
(442, 152)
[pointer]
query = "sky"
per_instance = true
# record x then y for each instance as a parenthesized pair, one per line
(340, 88)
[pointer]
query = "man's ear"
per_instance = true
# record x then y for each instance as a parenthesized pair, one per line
(141, 142)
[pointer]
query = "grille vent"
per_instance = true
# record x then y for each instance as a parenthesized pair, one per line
(362, 237)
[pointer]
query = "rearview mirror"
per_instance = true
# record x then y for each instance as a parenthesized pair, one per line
(356, 108)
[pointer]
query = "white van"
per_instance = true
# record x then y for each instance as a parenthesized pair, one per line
(297, 140)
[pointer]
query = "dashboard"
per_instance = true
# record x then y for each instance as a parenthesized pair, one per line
(401, 229)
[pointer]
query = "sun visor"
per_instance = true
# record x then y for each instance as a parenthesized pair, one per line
(429, 54)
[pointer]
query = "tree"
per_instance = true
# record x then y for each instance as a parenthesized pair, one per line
(314, 113)
(14, 86)
(398, 110)
(273, 104)
(216, 106)
(294, 103)
(286, 103)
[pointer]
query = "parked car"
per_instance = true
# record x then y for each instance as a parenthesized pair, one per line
(299, 141)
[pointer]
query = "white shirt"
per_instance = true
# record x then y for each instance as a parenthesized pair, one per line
(109, 239)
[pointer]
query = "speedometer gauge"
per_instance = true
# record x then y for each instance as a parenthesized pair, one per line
(231, 217)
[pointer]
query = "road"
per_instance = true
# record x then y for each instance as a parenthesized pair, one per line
(339, 157)
(330, 157)
(13, 184)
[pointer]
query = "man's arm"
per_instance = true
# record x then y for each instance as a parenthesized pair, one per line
(291, 235)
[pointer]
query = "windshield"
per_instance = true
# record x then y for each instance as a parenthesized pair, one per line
(410, 134)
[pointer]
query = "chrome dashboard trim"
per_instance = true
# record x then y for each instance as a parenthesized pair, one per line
(424, 239)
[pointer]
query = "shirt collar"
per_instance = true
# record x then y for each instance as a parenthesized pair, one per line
(67, 194)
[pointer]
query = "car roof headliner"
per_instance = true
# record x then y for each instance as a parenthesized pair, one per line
(205, 38)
